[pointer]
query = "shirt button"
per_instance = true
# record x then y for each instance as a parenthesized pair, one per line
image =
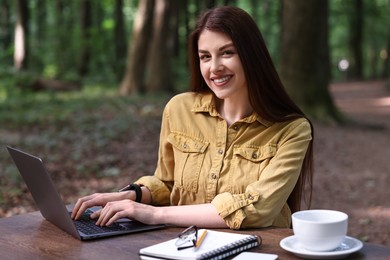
(185, 146)
(220, 151)
(235, 127)
(250, 197)
(254, 156)
(213, 176)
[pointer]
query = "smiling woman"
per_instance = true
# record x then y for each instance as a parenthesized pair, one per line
(222, 70)
(234, 152)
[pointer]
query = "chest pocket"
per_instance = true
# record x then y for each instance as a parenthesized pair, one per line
(248, 163)
(189, 156)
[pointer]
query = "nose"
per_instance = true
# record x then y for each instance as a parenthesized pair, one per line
(216, 65)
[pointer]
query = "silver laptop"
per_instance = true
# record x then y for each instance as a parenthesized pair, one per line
(53, 208)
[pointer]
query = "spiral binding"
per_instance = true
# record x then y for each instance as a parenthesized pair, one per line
(232, 249)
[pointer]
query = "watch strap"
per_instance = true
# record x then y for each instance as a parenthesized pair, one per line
(136, 188)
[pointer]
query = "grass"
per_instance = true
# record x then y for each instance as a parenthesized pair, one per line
(75, 129)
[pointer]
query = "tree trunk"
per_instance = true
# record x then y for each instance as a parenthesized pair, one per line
(305, 65)
(386, 60)
(5, 27)
(120, 42)
(86, 22)
(138, 50)
(38, 37)
(159, 63)
(60, 38)
(355, 71)
(179, 7)
(210, 3)
(385, 55)
(21, 36)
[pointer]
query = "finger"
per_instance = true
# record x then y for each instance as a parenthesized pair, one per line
(104, 216)
(118, 215)
(84, 204)
(95, 214)
(109, 211)
(124, 209)
(76, 207)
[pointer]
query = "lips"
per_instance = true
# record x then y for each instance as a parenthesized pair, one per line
(220, 81)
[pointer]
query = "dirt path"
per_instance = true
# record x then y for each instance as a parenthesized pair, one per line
(353, 163)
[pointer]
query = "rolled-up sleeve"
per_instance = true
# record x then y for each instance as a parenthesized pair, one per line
(159, 190)
(264, 202)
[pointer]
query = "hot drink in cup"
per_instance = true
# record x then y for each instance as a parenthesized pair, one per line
(320, 230)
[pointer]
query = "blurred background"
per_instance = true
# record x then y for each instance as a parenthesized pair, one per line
(83, 84)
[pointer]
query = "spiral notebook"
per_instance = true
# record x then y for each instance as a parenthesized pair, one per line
(216, 245)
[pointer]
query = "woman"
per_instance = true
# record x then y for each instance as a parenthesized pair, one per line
(235, 152)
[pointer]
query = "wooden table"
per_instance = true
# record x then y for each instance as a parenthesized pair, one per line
(29, 236)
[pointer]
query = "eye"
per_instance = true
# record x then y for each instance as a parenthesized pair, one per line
(228, 53)
(204, 57)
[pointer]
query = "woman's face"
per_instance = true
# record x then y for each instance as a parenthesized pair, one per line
(221, 66)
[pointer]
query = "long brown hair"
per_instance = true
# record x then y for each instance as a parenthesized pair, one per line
(267, 94)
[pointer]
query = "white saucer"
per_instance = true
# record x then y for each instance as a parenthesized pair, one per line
(349, 246)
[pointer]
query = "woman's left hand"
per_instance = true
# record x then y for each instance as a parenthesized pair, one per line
(115, 210)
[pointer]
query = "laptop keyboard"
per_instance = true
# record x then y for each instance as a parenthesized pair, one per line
(87, 225)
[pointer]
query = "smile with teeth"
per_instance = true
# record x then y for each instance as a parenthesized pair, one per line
(222, 80)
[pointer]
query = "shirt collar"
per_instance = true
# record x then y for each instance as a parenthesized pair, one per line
(204, 103)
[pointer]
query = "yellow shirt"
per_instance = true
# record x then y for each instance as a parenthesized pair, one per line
(247, 170)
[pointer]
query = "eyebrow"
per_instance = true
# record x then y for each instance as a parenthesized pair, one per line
(220, 49)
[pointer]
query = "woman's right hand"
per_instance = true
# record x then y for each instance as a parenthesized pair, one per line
(99, 199)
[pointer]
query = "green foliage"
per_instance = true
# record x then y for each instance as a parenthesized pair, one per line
(54, 39)
(376, 35)
(55, 42)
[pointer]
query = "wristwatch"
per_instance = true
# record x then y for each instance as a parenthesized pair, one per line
(136, 188)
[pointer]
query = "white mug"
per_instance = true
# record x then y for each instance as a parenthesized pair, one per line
(321, 229)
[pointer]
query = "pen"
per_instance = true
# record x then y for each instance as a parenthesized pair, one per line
(200, 240)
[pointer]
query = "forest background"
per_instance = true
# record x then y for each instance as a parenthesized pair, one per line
(83, 84)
